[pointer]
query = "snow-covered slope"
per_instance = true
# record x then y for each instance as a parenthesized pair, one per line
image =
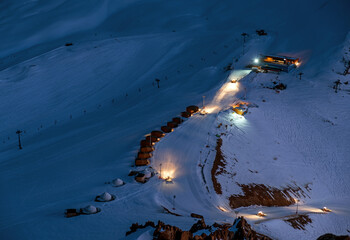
(84, 108)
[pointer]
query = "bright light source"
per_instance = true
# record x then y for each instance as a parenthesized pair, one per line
(168, 180)
(324, 209)
(222, 209)
(261, 214)
(168, 174)
(256, 60)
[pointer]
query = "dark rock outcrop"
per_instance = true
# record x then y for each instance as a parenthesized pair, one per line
(329, 236)
(238, 231)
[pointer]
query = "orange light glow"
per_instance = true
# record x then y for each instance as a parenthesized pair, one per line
(222, 209)
(261, 214)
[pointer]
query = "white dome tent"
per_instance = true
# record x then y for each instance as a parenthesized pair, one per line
(105, 197)
(90, 209)
(147, 173)
(118, 182)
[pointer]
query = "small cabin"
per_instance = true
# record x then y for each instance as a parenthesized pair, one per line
(142, 162)
(275, 63)
(280, 59)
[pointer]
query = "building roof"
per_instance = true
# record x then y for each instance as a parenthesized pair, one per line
(281, 57)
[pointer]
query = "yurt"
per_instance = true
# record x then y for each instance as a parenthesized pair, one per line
(105, 197)
(90, 209)
(117, 182)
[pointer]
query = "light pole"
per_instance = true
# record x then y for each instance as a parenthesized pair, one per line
(174, 202)
(300, 75)
(160, 171)
(203, 102)
(296, 212)
(244, 35)
(19, 138)
(157, 80)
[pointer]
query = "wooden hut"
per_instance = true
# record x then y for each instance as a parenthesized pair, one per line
(140, 177)
(145, 143)
(144, 155)
(166, 129)
(147, 149)
(185, 114)
(240, 110)
(192, 109)
(152, 139)
(158, 134)
(172, 124)
(178, 120)
(142, 162)
(71, 213)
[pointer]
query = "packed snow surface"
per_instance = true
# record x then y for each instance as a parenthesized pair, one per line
(84, 108)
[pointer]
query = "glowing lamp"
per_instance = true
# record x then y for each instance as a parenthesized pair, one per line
(168, 180)
(256, 60)
(325, 209)
(261, 214)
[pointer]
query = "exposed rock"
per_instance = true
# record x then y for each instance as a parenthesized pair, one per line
(280, 86)
(240, 231)
(299, 221)
(136, 226)
(198, 226)
(219, 164)
(195, 215)
(329, 236)
(246, 232)
(264, 195)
